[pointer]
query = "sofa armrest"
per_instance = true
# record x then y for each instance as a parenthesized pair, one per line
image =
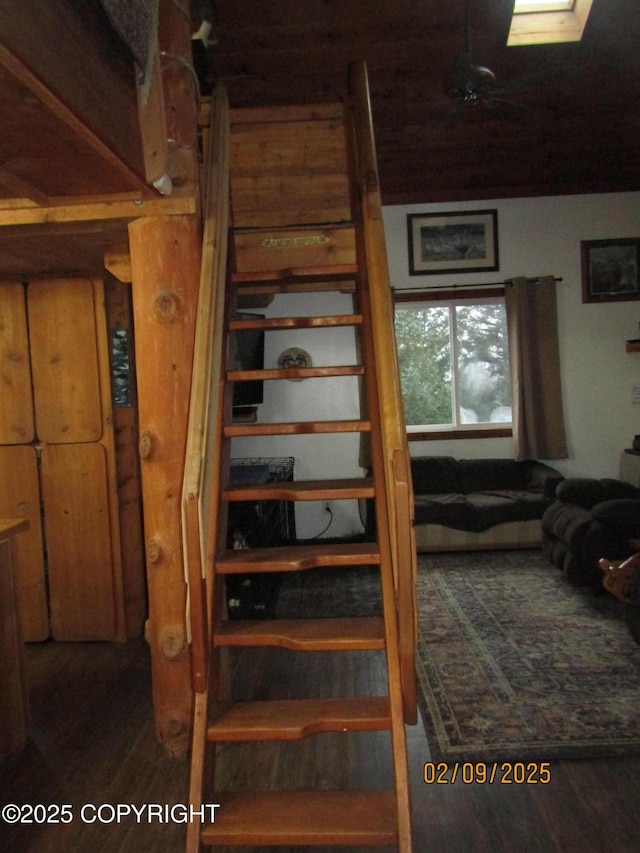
(620, 490)
(623, 513)
(543, 478)
(587, 492)
(581, 491)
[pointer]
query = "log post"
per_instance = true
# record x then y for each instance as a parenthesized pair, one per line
(165, 267)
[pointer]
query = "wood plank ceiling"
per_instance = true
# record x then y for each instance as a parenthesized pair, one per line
(69, 115)
(578, 121)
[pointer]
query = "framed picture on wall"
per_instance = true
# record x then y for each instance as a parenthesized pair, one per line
(610, 270)
(463, 241)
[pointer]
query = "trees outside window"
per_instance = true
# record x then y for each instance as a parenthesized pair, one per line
(454, 363)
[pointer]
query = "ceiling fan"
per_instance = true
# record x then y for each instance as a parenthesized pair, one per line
(471, 85)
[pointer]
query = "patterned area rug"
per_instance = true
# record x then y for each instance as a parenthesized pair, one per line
(513, 662)
(326, 593)
(516, 664)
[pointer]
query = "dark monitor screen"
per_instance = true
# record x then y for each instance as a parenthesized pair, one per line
(248, 352)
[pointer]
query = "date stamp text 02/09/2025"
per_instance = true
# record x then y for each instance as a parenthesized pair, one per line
(481, 773)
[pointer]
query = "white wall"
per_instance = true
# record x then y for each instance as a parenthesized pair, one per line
(541, 236)
(537, 236)
(320, 456)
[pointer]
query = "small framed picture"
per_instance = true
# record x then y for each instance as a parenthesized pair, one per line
(610, 270)
(464, 241)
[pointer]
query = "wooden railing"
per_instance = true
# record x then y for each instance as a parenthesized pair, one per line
(398, 485)
(202, 463)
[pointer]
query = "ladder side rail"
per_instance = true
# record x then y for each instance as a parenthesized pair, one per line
(398, 485)
(202, 463)
(395, 670)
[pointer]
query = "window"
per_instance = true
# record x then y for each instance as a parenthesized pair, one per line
(546, 21)
(523, 6)
(454, 364)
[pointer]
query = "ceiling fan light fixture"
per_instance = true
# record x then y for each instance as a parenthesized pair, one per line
(469, 82)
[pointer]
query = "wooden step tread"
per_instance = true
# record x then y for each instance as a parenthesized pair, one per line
(296, 373)
(294, 719)
(353, 634)
(303, 490)
(345, 818)
(321, 285)
(267, 323)
(294, 558)
(337, 272)
(296, 428)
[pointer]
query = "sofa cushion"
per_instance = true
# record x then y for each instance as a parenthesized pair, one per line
(567, 523)
(481, 475)
(581, 491)
(435, 475)
(445, 474)
(479, 511)
(619, 513)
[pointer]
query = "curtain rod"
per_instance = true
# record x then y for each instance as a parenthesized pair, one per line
(468, 286)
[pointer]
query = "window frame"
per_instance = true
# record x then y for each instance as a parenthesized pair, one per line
(525, 7)
(418, 432)
(549, 26)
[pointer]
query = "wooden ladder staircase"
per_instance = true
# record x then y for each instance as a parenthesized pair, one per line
(306, 220)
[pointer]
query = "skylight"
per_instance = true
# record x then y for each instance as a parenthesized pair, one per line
(524, 6)
(545, 21)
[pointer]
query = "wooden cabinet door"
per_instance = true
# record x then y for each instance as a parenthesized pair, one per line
(16, 411)
(64, 358)
(76, 510)
(20, 498)
(55, 370)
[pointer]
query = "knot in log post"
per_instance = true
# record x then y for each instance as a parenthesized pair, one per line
(155, 551)
(167, 307)
(173, 642)
(145, 445)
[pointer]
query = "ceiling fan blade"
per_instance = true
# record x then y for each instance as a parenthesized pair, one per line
(542, 77)
(508, 110)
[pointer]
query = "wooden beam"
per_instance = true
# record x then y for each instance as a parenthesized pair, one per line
(165, 265)
(83, 210)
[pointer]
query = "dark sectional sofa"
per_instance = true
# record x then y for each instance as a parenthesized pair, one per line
(590, 519)
(464, 504)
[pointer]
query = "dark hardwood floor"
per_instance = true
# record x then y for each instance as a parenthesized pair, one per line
(92, 742)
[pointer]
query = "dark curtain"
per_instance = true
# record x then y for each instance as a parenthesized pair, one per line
(538, 419)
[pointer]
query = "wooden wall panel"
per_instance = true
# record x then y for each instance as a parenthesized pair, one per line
(288, 169)
(76, 509)
(258, 251)
(20, 498)
(66, 380)
(16, 412)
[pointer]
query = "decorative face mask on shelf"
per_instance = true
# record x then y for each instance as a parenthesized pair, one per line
(292, 359)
